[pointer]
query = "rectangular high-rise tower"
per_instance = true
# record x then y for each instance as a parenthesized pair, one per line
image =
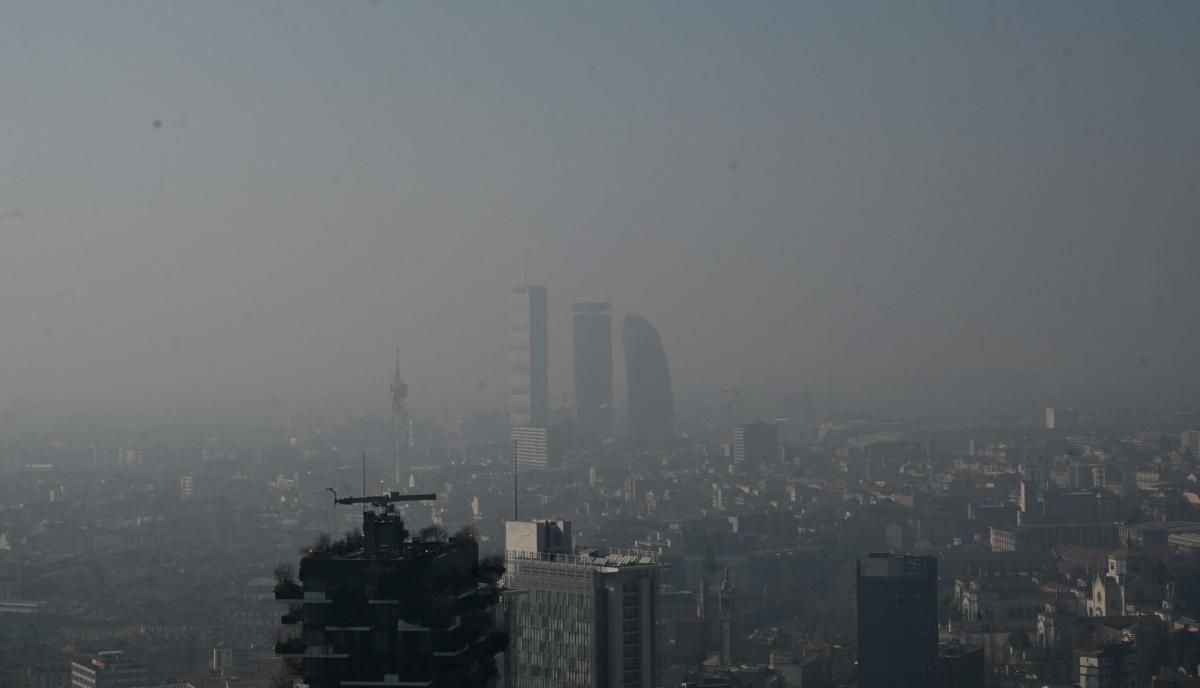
(579, 618)
(593, 369)
(528, 357)
(897, 621)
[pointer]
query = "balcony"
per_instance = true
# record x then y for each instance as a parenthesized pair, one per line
(288, 591)
(294, 648)
(290, 647)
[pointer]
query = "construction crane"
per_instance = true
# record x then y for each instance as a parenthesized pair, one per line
(383, 501)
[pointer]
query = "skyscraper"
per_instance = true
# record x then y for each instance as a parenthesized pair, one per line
(593, 369)
(382, 609)
(528, 357)
(897, 621)
(648, 381)
(579, 618)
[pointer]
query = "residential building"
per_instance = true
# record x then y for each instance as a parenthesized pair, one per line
(1114, 666)
(386, 609)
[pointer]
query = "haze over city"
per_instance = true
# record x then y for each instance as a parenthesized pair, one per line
(672, 344)
(915, 207)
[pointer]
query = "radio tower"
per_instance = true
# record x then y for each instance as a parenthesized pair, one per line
(399, 392)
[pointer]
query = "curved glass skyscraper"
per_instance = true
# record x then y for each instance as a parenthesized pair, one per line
(648, 381)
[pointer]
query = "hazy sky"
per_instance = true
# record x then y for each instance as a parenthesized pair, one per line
(235, 201)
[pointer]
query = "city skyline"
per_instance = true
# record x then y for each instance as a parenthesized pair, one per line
(771, 344)
(932, 206)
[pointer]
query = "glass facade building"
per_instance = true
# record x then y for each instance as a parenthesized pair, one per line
(528, 356)
(593, 369)
(648, 382)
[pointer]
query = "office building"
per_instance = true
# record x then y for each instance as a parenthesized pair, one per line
(535, 447)
(897, 620)
(648, 382)
(593, 370)
(384, 609)
(1114, 666)
(112, 669)
(756, 444)
(579, 618)
(528, 356)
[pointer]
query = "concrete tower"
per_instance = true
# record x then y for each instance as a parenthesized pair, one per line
(726, 603)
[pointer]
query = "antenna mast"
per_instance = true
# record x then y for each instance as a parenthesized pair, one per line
(399, 392)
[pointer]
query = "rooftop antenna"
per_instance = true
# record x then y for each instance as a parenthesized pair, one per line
(399, 391)
(330, 489)
(364, 482)
(516, 495)
(525, 266)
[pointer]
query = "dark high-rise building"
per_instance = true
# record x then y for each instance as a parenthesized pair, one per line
(756, 444)
(897, 621)
(381, 608)
(648, 381)
(593, 370)
(528, 357)
(579, 618)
